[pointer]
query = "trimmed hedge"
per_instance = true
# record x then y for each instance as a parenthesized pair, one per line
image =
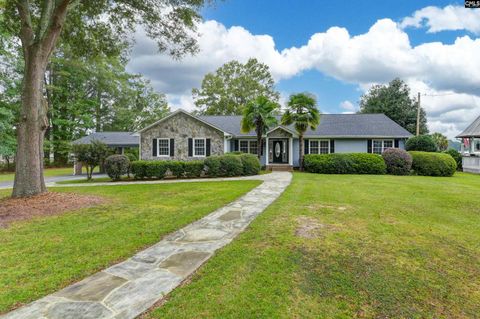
(214, 166)
(456, 156)
(398, 161)
(433, 164)
(345, 163)
(116, 166)
(422, 143)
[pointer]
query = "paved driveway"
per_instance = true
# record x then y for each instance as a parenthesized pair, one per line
(54, 179)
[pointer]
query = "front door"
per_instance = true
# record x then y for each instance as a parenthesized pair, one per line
(278, 152)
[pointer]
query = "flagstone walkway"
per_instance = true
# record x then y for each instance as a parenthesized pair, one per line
(127, 289)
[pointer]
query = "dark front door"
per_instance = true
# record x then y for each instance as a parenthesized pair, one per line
(278, 151)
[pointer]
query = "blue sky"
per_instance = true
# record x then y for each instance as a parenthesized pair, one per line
(337, 50)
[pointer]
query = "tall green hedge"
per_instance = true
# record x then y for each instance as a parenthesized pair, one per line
(433, 164)
(345, 163)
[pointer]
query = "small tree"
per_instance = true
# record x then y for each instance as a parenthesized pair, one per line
(259, 114)
(441, 141)
(303, 113)
(91, 155)
(422, 143)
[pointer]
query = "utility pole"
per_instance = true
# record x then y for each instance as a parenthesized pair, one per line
(418, 114)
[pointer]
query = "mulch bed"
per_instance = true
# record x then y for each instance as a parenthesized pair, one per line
(48, 204)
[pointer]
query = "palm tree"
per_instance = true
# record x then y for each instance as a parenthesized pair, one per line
(303, 113)
(259, 114)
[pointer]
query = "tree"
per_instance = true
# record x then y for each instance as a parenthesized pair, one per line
(39, 24)
(232, 86)
(259, 114)
(303, 113)
(441, 141)
(395, 101)
(421, 143)
(91, 155)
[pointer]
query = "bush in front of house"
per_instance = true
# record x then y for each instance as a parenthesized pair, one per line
(433, 164)
(398, 161)
(193, 168)
(345, 163)
(116, 166)
(422, 143)
(227, 165)
(251, 164)
(176, 168)
(457, 156)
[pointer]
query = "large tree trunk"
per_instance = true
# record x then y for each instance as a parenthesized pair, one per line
(301, 151)
(31, 128)
(259, 142)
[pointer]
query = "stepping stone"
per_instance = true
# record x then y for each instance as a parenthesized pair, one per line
(78, 310)
(231, 215)
(93, 288)
(203, 234)
(184, 263)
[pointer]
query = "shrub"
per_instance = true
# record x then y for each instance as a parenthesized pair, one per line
(235, 153)
(398, 161)
(116, 166)
(138, 169)
(433, 164)
(176, 168)
(353, 163)
(251, 164)
(224, 165)
(422, 143)
(457, 156)
(156, 169)
(193, 168)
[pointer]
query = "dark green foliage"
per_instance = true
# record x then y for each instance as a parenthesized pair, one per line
(193, 168)
(224, 166)
(138, 169)
(354, 163)
(212, 166)
(422, 143)
(433, 164)
(116, 166)
(91, 155)
(234, 153)
(398, 161)
(251, 164)
(176, 168)
(456, 156)
(395, 101)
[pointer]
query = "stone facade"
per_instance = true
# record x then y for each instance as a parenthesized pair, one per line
(180, 127)
(279, 133)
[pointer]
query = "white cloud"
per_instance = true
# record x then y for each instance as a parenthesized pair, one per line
(348, 107)
(377, 56)
(451, 17)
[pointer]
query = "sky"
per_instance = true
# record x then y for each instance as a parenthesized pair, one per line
(336, 50)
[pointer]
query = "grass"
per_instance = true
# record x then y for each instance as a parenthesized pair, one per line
(43, 255)
(48, 172)
(385, 247)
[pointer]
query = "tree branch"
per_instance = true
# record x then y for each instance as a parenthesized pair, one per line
(44, 18)
(55, 28)
(26, 32)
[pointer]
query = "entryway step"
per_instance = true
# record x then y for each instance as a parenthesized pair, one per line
(280, 168)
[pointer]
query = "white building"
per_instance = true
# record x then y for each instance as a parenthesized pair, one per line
(471, 147)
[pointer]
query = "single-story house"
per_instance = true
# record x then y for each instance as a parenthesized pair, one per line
(470, 148)
(184, 136)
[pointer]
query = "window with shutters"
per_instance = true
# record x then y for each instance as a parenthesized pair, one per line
(199, 146)
(379, 146)
(248, 146)
(163, 147)
(319, 146)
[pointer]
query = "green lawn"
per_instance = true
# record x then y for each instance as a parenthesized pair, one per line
(43, 255)
(49, 172)
(384, 247)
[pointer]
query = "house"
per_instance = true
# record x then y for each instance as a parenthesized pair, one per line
(470, 148)
(185, 136)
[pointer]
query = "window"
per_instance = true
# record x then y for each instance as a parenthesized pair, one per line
(248, 146)
(319, 147)
(477, 145)
(163, 148)
(199, 147)
(379, 146)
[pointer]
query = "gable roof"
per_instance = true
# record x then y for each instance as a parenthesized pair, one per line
(331, 125)
(114, 139)
(198, 118)
(473, 130)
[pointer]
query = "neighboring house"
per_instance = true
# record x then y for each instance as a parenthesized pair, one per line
(470, 148)
(184, 136)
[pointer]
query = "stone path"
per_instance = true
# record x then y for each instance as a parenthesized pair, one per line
(127, 289)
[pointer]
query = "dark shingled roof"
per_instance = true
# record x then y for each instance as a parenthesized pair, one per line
(473, 130)
(113, 139)
(331, 125)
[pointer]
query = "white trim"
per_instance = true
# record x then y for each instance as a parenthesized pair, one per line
(267, 155)
(383, 144)
(286, 129)
(204, 145)
(158, 147)
(184, 112)
(318, 140)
